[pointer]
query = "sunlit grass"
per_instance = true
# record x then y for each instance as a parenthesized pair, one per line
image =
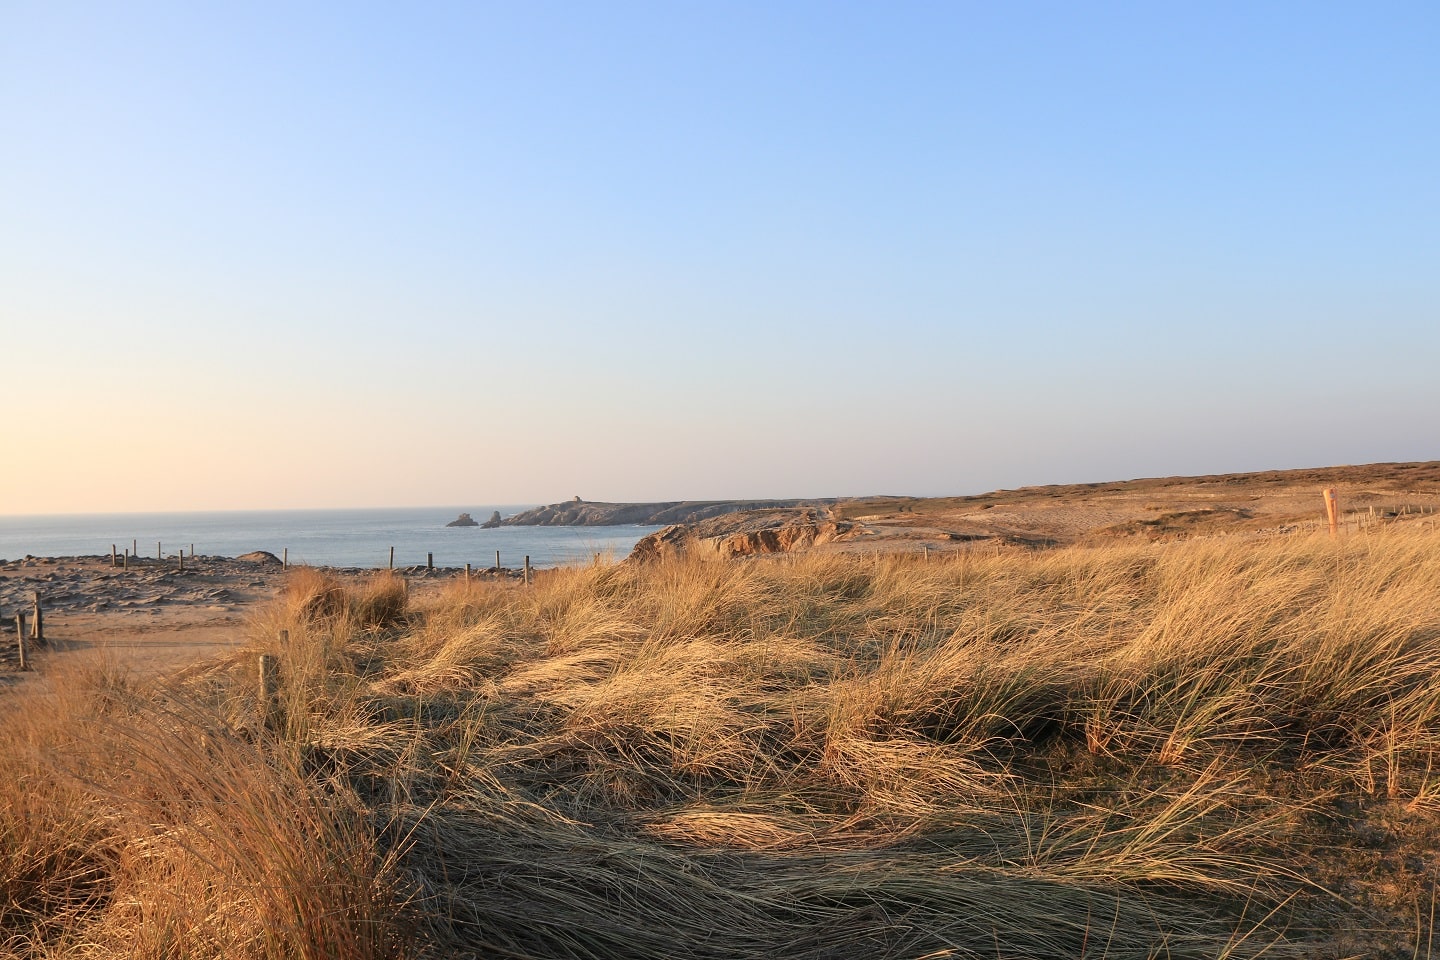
(1127, 751)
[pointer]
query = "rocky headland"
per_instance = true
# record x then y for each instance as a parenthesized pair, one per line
(585, 513)
(1268, 503)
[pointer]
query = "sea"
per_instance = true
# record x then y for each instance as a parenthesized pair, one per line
(332, 538)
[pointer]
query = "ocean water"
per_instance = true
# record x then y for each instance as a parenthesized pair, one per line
(337, 538)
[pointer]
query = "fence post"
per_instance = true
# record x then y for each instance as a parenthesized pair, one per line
(1332, 508)
(158, 554)
(429, 561)
(37, 621)
(392, 558)
(127, 560)
(269, 687)
(112, 555)
(467, 573)
(285, 559)
(182, 559)
(20, 639)
(527, 570)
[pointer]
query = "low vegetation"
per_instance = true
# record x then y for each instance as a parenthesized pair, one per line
(1213, 748)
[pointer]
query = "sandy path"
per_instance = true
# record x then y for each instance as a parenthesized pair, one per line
(151, 618)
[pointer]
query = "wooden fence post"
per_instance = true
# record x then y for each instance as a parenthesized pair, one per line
(182, 559)
(37, 621)
(20, 639)
(127, 560)
(269, 687)
(285, 558)
(497, 561)
(1332, 508)
(467, 573)
(429, 561)
(112, 555)
(392, 558)
(527, 570)
(158, 554)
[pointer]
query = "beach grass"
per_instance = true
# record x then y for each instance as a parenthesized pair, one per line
(1209, 748)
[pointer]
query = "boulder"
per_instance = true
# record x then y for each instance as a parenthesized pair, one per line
(260, 556)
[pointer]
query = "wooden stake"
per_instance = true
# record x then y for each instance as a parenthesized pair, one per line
(497, 561)
(37, 622)
(269, 686)
(527, 570)
(20, 639)
(135, 547)
(112, 555)
(467, 573)
(429, 561)
(392, 558)
(182, 559)
(158, 555)
(127, 560)
(1332, 508)
(285, 559)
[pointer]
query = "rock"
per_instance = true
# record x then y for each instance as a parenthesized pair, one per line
(492, 523)
(464, 520)
(744, 534)
(260, 556)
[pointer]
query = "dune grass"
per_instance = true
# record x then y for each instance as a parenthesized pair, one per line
(1217, 748)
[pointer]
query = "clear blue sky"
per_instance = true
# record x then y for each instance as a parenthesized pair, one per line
(276, 255)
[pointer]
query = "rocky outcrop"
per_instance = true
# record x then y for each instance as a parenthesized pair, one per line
(260, 556)
(464, 520)
(745, 534)
(493, 522)
(585, 513)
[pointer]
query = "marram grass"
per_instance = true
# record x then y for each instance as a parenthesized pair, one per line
(1127, 752)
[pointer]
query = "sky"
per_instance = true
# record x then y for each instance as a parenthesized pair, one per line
(276, 255)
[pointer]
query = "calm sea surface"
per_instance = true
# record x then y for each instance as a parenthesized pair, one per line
(337, 538)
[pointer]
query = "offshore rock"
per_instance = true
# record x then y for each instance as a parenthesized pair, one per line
(464, 520)
(493, 522)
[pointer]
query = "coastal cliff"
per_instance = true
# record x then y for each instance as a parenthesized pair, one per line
(584, 513)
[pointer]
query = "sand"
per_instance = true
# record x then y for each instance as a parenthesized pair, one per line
(151, 617)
